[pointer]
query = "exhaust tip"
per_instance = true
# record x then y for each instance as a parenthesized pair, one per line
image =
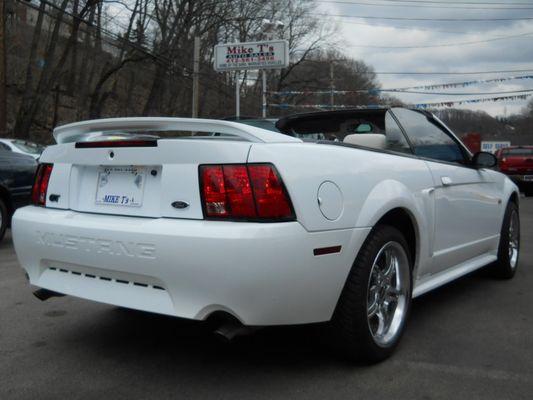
(227, 333)
(45, 294)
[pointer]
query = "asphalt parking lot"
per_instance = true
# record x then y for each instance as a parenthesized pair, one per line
(471, 339)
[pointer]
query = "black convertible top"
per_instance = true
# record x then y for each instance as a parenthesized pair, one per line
(302, 119)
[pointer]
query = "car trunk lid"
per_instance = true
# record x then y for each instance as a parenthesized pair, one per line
(156, 180)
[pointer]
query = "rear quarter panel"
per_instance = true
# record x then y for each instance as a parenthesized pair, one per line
(371, 183)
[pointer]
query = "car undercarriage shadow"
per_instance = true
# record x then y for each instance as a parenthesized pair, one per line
(156, 340)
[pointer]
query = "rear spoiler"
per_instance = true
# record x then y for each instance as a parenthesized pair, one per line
(87, 129)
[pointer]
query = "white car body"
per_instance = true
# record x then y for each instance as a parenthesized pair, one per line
(10, 143)
(173, 261)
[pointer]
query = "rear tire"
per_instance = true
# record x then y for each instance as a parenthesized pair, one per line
(371, 313)
(509, 248)
(528, 191)
(3, 219)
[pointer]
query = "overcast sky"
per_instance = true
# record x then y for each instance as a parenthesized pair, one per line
(507, 54)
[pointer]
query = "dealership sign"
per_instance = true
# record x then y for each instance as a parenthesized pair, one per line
(268, 54)
(492, 146)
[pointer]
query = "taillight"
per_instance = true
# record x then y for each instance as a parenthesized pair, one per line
(271, 199)
(40, 185)
(252, 192)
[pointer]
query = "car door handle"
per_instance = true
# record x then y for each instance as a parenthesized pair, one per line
(446, 180)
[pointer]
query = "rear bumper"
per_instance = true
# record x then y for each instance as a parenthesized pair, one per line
(263, 274)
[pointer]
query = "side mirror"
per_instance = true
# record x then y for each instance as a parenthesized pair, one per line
(483, 159)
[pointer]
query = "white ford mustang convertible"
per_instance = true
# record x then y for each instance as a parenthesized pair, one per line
(201, 218)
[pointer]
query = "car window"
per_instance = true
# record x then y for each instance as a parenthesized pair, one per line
(28, 147)
(428, 139)
(336, 126)
(395, 139)
(4, 146)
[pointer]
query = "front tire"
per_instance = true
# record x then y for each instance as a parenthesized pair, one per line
(509, 247)
(371, 313)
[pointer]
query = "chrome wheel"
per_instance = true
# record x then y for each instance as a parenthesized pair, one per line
(388, 293)
(514, 238)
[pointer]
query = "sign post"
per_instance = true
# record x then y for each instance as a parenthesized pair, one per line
(263, 55)
(264, 103)
(238, 94)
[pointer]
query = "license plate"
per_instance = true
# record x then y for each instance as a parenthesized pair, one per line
(528, 177)
(120, 186)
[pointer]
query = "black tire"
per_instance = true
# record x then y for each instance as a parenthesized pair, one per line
(3, 219)
(506, 265)
(528, 191)
(350, 323)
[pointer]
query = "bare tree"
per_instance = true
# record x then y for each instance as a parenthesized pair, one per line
(134, 57)
(51, 70)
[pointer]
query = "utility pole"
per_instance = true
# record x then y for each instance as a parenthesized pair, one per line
(195, 77)
(3, 64)
(331, 85)
(269, 28)
(264, 107)
(238, 94)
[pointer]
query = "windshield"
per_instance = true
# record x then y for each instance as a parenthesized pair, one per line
(28, 147)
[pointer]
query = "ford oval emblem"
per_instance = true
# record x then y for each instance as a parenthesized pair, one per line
(180, 204)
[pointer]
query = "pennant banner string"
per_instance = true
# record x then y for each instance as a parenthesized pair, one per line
(404, 89)
(417, 105)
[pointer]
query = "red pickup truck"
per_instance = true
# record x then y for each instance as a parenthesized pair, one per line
(517, 163)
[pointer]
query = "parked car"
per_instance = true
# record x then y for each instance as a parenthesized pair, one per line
(267, 229)
(517, 163)
(22, 146)
(16, 179)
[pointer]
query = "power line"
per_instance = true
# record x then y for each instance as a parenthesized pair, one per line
(114, 39)
(457, 2)
(424, 19)
(410, 28)
(157, 57)
(444, 44)
(448, 6)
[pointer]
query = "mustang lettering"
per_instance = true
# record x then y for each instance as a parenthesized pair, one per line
(99, 246)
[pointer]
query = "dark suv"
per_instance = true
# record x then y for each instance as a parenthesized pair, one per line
(517, 163)
(16, 179)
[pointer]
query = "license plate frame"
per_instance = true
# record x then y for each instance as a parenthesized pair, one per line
(120, 186)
